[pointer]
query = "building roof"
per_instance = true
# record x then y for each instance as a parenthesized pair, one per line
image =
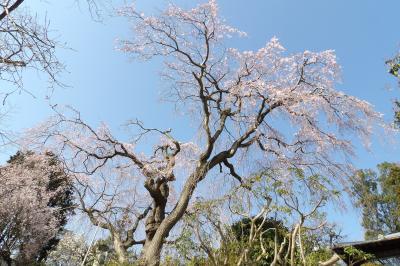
(385, 250)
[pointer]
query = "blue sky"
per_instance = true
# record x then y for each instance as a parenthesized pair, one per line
(105, 85)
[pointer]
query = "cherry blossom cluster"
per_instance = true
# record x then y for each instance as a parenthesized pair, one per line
(27, 220)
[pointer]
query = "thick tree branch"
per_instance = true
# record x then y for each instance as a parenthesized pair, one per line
(8, 10)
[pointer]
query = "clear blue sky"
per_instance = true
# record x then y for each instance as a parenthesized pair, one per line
(106, 86)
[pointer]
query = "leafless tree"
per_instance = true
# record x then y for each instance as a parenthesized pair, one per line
(25, 43)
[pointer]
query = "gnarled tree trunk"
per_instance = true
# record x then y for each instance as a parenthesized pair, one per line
(159, 191)
(158, 232)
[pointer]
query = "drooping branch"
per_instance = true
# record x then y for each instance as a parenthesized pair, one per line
(232, 171)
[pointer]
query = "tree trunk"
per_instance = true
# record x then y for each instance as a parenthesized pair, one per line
(119, 248)
(293, 244)
(159, 191)
(151, 252)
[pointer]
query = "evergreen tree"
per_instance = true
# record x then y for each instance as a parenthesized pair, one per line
(378, 194)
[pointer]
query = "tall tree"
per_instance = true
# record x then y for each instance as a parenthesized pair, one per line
(35, 200)
(243, 102)
(378, 194)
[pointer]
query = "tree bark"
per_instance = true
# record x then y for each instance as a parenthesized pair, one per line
(293, 244)
(335, 258)
(120, 250)
(152, 249)
(159, 191)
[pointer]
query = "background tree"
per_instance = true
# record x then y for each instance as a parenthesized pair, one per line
(242, 102)
(109, 203)
(70, 251)
(272, 228)
(264, 222)
(394, 68)
(378, 194)
(73, 250)
(36, 199)
(60, 185)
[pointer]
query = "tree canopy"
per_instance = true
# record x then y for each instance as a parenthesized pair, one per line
(269, 157)
(36, 200)
(378, 194)
(239, 101)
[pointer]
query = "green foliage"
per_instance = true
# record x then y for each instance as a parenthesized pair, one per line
(371, 264)
(104, 253)
(207, 240)
(354, 256)
(186, 246)
(378, 194)
(316, 256)
(316, 244)
(115, 263)
(394, 67)
(241, 231)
